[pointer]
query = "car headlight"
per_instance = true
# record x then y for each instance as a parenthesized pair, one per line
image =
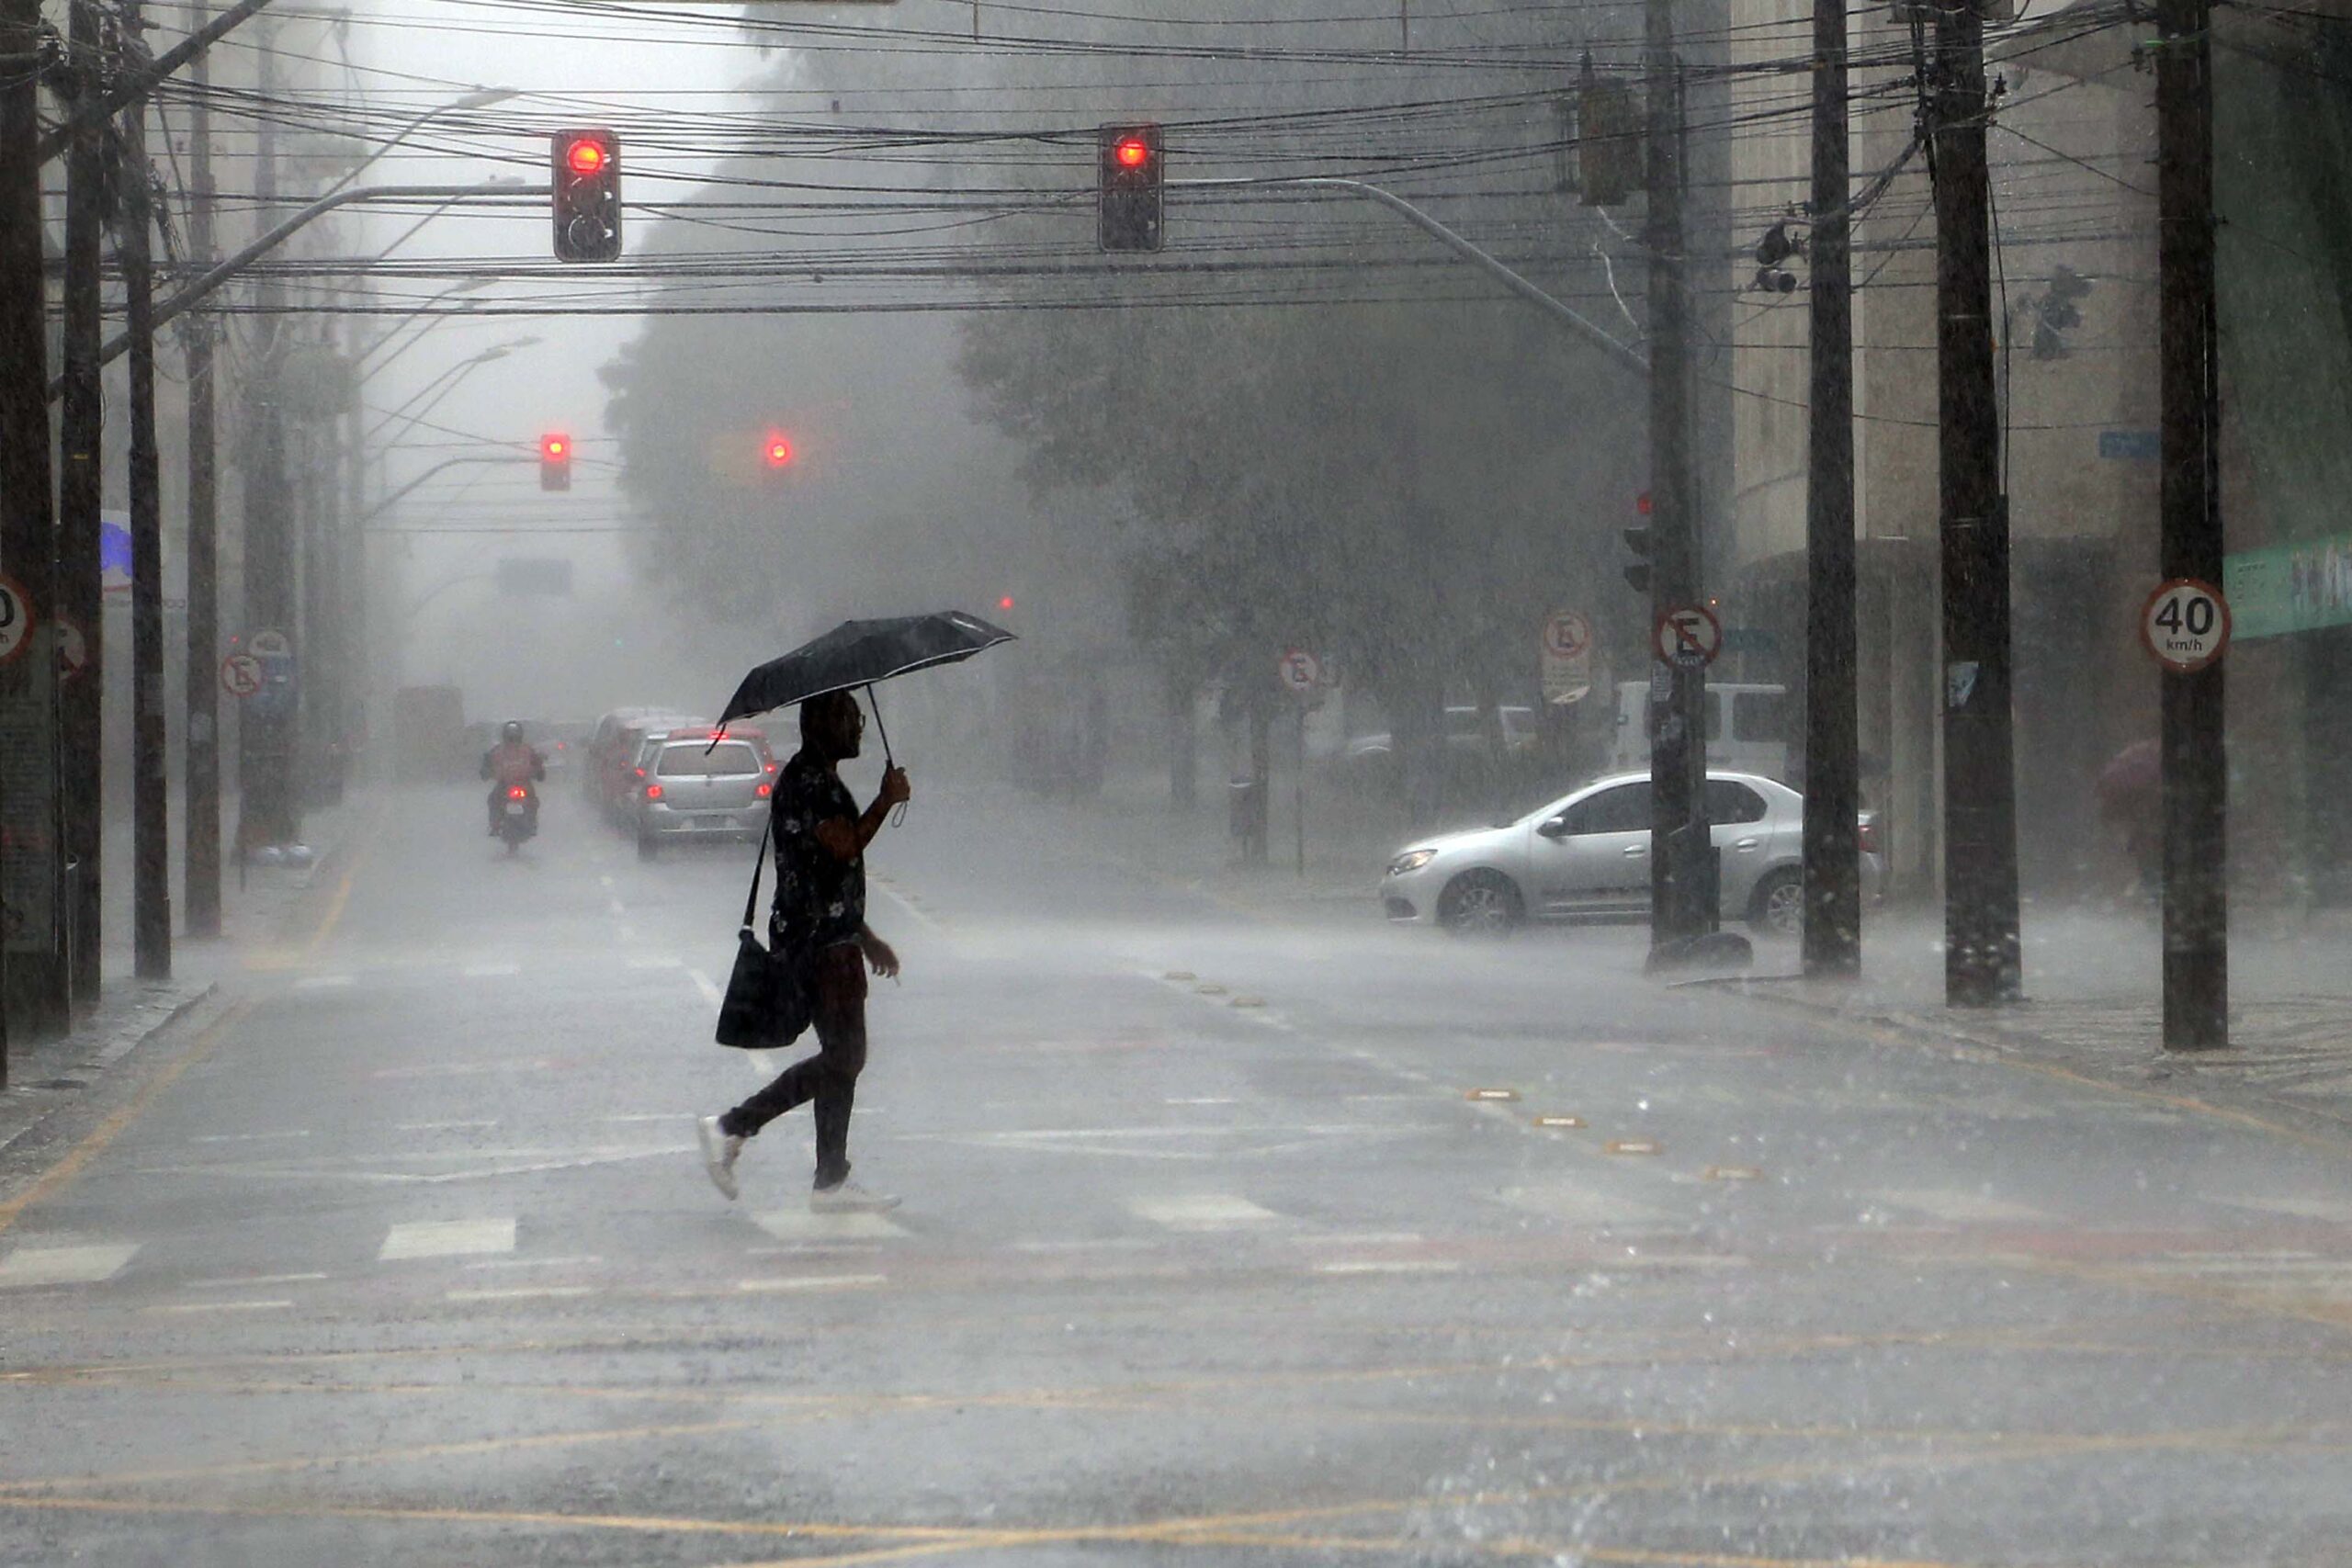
(1411, 859)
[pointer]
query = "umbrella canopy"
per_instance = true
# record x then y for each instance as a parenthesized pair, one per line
(860, 653)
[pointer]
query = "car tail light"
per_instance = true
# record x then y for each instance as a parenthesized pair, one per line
(653, 791)
(765, 789)
(771, 767)
(517, 793)
(640, 772)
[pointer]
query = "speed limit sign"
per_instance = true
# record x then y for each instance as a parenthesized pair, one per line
(15, 620)
(2185, 624)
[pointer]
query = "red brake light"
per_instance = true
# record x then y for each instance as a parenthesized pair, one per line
(517, 793)
(765, 789)
(652, 791)
(640, 772)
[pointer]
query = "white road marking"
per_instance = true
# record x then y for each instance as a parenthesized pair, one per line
(1113, 1243)
(1213, 1100)
(1392, 1266)
(653, 963)
(254, 1282)
(578, 1261)
(707, 987)
(247, 1137)
(1366, 1238)
(440, 1126)
(446, 1238)
(224, 1306)
(802, 1224)
(815, 1282)
(1202, 1211)
(462, 1069)
(489, 971)
(324, 982)
(85, 1265)
(522, 1293)
(1959, 1206)
(652, 1116)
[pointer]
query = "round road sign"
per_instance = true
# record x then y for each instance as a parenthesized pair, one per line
(271, 645)
(1566, 635)
(1688, 634)
(15, 620)
(1300, 670)
(2185, 624)
(241, 674)
(73, 649)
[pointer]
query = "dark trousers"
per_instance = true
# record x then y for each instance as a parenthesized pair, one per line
(837, 981)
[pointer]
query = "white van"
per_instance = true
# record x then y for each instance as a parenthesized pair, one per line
(1748, 729)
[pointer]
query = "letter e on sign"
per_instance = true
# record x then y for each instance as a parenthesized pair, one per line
(2186, 624)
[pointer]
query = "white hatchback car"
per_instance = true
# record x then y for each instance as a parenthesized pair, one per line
(1586, 857)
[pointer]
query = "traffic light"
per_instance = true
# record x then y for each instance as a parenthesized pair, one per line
(1128, 204)
(555, 461)
(1637, 539)
(775, 450)
(587, 186)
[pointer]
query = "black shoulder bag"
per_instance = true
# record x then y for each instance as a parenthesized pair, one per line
(768, 1004)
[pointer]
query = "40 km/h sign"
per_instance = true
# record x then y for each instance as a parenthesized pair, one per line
(2185, 624)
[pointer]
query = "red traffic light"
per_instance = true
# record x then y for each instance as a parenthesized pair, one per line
(587, 156)
(1642, 503)
(1131, 152)
(1005, 603)
(555, 448)
(777, 449)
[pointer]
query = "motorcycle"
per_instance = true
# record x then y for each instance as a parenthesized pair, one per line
(518, 817)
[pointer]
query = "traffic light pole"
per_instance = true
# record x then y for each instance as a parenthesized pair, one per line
(1683, 895)
(1981, 938)
(1832, 937)
(200, 856)
(2196, 776)
(80, 492)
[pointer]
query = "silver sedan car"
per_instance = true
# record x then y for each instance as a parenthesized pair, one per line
(1586, 857)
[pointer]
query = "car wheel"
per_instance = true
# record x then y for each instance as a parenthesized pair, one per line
(1480, 903)
(1777, 907)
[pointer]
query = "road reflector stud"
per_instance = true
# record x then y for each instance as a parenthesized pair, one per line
(1180, 974)
(1248, 1002)
(1494, 1094)
(1559, 1121)
(1732, 1173)
(1210, 990)
(1632, 1146)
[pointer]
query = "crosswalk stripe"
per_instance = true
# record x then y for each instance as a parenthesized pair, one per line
(446, 1238)
(803, 1224)
(1202, 1211)
(83, 1265)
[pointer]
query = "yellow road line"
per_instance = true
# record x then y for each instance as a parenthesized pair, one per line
(95, 1144)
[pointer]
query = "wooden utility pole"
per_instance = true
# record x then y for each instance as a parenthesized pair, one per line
(1683, 897)
(1833, 897)
(2196, 770)
(80, 495)
(1981, 938)
(269, 809)
(151, 805)
(200, 868)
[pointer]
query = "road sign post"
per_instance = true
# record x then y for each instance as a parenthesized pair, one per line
(1302, 673)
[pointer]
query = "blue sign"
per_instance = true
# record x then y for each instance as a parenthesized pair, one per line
(114, 554)
(2131, 446)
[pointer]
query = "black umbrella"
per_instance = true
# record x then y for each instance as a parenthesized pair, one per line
(859, 653)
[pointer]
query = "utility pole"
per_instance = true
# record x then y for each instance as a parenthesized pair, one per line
(1833, 897)
(80, 495)
(2196, 773)
(27, 526)
(202, 852)
(1683, 898)
(268, 807)
(1981, 941)
(150, 807)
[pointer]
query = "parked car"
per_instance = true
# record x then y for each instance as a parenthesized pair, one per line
(697, 783)
(1586, 858)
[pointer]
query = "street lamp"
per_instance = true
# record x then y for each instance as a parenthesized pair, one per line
(441, 386)
(481, 98)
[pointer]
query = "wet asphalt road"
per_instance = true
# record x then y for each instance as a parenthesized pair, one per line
(1226, 1241)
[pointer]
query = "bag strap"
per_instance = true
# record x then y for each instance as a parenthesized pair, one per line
(752, 902)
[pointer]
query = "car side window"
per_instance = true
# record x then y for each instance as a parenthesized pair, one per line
(1625, 809)
(1730, 802)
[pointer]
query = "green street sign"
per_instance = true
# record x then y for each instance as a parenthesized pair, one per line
(2283, 589)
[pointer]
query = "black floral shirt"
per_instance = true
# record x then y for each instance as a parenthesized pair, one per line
(819, 898)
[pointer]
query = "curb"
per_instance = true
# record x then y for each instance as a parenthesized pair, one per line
(2029, 1051)
(56, 1075)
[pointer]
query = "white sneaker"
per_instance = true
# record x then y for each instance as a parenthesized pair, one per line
(718, 1152)
(849, 1198)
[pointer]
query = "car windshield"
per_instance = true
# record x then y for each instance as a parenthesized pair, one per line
(697, 758)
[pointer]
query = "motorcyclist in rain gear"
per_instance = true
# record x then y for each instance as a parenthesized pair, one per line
(512, 762)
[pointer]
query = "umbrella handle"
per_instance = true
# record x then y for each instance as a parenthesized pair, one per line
(888, 761)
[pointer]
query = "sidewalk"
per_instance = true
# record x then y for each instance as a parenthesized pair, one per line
(2093, 1003)
(48, 1076)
